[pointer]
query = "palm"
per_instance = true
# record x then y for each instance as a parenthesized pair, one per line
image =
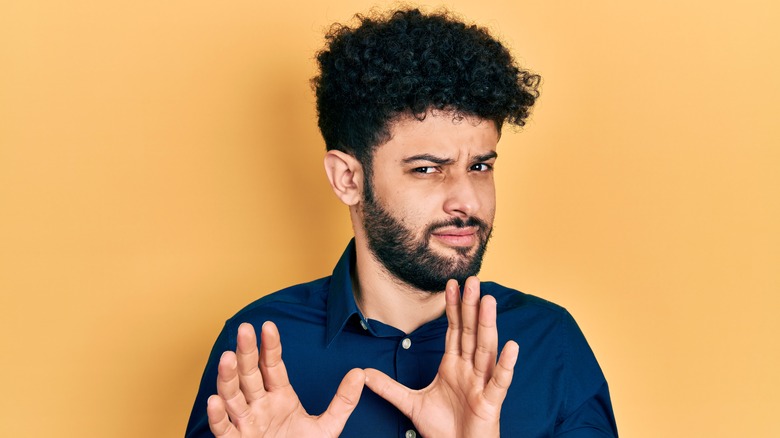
(465, 397)
(260, 402)
(456, 399)
(279, 413)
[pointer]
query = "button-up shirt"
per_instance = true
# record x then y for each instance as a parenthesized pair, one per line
(558, 389)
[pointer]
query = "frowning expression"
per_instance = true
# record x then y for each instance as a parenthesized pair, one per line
(428, 210)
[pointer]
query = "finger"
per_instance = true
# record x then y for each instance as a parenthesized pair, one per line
(271, 364)
(398, 395)
(487, 339)
(343, 403)
(219, 423)
(228, 387)
(469, 315)
(249, 376)
(497, 387)
(452, 297)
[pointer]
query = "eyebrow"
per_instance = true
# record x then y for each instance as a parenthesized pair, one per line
(439, 160)
(485, 157)
(428, 157)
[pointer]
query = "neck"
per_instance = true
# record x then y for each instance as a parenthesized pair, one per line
(382, 297)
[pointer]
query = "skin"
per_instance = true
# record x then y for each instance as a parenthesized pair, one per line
(428, 171)
(255, 399)
(419, 192)
(465, 397)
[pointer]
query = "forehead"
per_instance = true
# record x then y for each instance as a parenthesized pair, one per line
(443, 134)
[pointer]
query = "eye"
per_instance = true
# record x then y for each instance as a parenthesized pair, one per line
(481, 167)
(426, 169)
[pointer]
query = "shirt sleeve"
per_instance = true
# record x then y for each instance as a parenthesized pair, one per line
(198, 425)
(587, 410)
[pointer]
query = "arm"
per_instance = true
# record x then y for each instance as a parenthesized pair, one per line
(465, 398)
(255, 399)
(588, 410)
(592, 419)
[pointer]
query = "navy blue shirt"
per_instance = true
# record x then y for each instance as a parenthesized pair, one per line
(558, 389)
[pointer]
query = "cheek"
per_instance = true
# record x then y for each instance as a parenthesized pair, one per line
(417, 211)
(413, 199)
(487, 195)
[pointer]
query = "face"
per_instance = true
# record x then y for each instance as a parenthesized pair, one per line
(428, 209)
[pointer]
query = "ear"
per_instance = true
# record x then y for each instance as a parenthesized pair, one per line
(345, 175)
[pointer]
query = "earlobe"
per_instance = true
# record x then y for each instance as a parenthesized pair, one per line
(345, 175)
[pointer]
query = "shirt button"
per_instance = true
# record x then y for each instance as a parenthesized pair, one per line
(363, 324)
(411, 434)
(406, 343)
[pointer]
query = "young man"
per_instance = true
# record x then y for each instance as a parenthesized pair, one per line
(411, 107)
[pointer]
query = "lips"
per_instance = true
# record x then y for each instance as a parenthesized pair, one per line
(456, 236)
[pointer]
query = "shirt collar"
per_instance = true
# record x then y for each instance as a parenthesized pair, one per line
(341, 299)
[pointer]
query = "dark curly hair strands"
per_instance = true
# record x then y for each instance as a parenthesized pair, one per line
(409, 63)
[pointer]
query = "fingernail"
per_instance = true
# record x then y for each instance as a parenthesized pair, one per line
(514, 349)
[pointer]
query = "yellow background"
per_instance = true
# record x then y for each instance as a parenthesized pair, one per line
(160, 167)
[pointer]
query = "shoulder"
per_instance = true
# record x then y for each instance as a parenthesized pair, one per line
(311, 296)
(512, 300)
(536, 319)
(550, 342)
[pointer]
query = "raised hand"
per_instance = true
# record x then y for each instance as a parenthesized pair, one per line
(465, 397)
(260, 402)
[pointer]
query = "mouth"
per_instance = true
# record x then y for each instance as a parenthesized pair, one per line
(456, 236)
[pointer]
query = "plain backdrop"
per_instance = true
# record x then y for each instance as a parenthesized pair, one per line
(160, 168)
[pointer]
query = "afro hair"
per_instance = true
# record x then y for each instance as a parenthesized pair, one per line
(408, 62)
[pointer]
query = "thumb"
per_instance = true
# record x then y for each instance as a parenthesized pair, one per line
(398, 395)
(219, 422)
(345, 401)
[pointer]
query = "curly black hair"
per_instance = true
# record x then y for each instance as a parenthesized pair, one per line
(409, 62)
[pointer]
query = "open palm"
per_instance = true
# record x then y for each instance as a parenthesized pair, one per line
(258, 401)
(465, 397)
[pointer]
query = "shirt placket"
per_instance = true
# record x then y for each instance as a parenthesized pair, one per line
(407, 369)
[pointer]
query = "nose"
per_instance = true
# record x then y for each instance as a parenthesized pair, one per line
(463, 198)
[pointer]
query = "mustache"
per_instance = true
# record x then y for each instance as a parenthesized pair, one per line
(459, 223)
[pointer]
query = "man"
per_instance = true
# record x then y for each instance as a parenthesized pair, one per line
(411, 108)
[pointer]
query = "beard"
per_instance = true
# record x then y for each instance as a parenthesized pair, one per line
(410, 258)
